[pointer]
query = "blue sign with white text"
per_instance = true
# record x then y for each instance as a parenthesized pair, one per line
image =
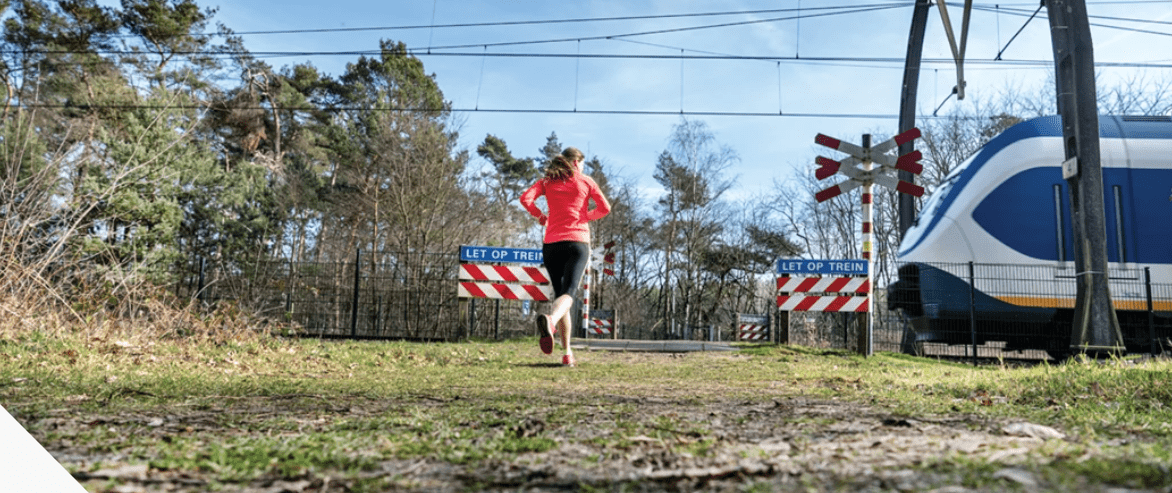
(498, 254)
(825, 267)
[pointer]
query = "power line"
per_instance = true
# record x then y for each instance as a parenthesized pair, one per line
(469, 110)
(704, 55)
(545, 21)
(782, 58)
(1042, 63)
(1023, 26)
(1023, 13)
(616, 18)
(843, 10)
(665, 31)
(621, 37)
(755, 114)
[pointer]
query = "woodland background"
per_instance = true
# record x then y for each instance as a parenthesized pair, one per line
(140, 143)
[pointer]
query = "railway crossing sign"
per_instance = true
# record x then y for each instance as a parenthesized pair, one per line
(867, 155)
(823, 285)
(865, 176)
(602, 258)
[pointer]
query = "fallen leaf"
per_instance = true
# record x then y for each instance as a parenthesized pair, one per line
(1032, 430)
(1020, 476)
(124, 471)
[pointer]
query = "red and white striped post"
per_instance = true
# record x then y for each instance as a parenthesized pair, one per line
(603, 259)
(868, 244)
(586, 300)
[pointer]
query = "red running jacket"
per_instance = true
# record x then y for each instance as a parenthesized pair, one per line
(568, 201)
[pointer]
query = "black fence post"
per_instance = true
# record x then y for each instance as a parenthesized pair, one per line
(1151, 311)
(354, 306)
(471, 317)
(289, 290)
(846, 329)
(973, 309)
(378, 313)
(199, 287)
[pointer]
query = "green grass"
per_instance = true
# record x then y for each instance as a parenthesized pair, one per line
(240, 411)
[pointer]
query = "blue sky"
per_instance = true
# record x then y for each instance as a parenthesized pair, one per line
(771, 148)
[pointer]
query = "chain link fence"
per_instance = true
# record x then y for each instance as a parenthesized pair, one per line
(412, 296)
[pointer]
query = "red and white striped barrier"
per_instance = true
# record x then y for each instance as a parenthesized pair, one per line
(503, 273)
(822, 284)
(823, 294)
(821, 303)
(601, 326)
(504, 282)
(752, 332)
(503, 291)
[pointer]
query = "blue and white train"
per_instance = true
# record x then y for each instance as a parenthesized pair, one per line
(1009, 205)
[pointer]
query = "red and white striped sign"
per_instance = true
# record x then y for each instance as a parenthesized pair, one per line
(504, 282)
(603, 258)
(752, 332)
(601, 326)
(868, 155)
(821, 303)
(822, 284)
(823, 294)
(836, 190)
(502, 291)
(503, 273)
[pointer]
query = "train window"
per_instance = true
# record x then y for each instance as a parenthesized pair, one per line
(1118, 191)
(937, 195)
(1146, 118)
(1060, 227)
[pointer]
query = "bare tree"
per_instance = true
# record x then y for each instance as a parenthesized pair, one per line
(691, 171)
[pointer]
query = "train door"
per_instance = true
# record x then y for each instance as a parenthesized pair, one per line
(1117, 205)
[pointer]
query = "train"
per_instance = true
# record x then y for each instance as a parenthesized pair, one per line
(990, 256)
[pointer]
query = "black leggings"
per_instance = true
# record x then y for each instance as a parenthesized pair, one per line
(566, 262)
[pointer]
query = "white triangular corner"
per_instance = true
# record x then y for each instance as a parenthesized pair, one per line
(26, 466)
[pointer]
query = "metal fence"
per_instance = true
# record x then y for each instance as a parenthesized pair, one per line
(1000, 309)
(413, 296)
(373, 296)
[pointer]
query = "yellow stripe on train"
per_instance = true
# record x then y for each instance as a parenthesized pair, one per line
(1048, 302)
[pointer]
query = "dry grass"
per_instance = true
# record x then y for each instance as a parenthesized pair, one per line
(121, 308)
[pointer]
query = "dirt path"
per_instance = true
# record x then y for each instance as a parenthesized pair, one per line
(790, 444)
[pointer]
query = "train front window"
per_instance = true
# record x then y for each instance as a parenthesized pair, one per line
(936, 197)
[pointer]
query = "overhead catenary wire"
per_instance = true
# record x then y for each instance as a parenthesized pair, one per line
(798, 33)
(785, 58)
(615, 37)
(665, 56)
(883, 116)
(998, 6)
(1023, 26)
(577, 74)
(683, 55)
(779, 106)
(622, 37)
(543, 21)
(670, 30)
(431, 32)
(480, 84)
(605, 19)
(1023, 13)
